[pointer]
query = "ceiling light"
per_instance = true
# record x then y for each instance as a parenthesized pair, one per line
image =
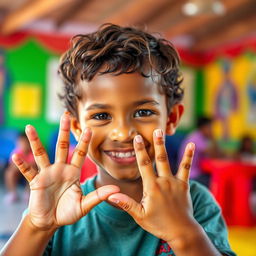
(196, 7)
(190, 9)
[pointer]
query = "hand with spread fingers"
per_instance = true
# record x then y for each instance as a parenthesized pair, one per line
(166, 207)
(56, 197)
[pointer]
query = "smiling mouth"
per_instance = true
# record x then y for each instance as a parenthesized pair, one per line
(122, 157)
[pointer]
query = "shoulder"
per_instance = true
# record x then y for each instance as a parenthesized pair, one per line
(204, 204)
(200, 193)
(208, 214)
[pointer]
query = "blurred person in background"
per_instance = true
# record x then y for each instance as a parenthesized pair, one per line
(12, 173)
(206, 147)
(245, 151)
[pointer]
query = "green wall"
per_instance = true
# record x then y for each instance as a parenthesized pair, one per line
(27, 64)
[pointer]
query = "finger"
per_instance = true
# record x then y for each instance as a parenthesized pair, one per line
(97, 196)
(27, 171)
(128, 204)
(144, 162)
(37, 147)
(162, 162)
(81, 149)
(63, 139)
(185, 165)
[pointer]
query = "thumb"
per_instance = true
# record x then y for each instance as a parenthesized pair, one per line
(127, 204)
(97, 196)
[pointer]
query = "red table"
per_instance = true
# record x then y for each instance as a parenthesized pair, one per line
(231, 185)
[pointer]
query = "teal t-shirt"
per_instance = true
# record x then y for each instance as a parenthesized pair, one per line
(108, 231)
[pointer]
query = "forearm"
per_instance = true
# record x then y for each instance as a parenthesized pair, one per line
(194, 243)
(27, 240)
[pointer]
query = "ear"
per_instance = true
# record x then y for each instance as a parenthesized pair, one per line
(76, 128)
(174, 118)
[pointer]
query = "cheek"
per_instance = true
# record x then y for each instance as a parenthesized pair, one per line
(96, 140)
(147, 134)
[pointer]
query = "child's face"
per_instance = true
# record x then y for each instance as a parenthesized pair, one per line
(117, 108)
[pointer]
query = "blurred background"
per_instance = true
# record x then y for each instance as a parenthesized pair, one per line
(217, 44)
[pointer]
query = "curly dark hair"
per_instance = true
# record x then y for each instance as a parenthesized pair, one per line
(118, 50)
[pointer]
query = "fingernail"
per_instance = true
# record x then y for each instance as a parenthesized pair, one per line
(159, 133)
(138, 139)
(191, 146)
(114, 200)
(16, 159)
(28, 127)
(31, 132)
(65, 116)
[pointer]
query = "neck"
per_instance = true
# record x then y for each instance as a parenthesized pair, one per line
(132, 188)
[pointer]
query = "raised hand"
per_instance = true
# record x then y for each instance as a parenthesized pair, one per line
(165, 209)
(56, 197)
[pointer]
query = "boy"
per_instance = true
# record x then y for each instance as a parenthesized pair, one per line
(122, 86)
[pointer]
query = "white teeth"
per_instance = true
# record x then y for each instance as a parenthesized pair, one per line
(122, 154)
(128, 154)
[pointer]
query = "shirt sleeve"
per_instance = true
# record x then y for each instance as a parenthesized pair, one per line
(208, 215)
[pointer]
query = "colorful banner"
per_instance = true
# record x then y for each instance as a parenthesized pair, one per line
(231, 96)
(60, 43)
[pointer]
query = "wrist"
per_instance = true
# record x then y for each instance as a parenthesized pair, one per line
(27, 232)
(194, 241)
(186, 237)
(35, 229)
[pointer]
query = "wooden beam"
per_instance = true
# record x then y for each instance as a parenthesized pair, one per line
(28, 13)
(237, 32)
(136, 11)
(171, 14)
(188, 24)
(70, 11)
(110, 10)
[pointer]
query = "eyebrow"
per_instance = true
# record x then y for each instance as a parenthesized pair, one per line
(146, 101)
(98, 106)
(136, 104)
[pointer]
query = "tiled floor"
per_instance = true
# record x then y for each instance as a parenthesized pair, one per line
(10, 215)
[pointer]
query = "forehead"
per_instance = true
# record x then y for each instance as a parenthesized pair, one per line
(120, 89)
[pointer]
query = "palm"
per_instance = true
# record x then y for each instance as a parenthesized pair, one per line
(56, 196)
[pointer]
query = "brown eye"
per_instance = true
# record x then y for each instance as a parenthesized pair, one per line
(101, 116)
(143, 112)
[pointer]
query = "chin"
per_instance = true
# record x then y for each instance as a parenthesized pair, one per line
(125, 175)
(125, 178)
(122, 175)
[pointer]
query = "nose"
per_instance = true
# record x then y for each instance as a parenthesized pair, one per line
(123, 133)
